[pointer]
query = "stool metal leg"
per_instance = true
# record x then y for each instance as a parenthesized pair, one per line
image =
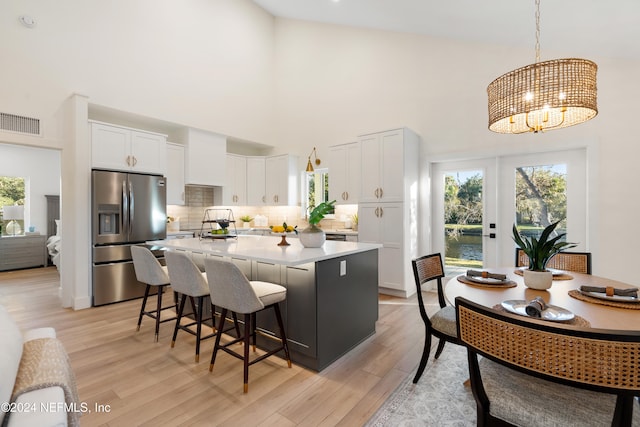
(248, 322)
(144, 304)
(276, 307)
(158, 310)
(180, 310)
(198, 312)
(216, 346)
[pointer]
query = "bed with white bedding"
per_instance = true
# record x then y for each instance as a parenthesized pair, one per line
(53, 246)
(54, 229)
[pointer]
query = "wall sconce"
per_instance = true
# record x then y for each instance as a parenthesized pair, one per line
(317, 160)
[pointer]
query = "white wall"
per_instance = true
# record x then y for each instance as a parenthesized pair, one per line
(229, 67)
(203, 63)
(336, 82)
(41, 171)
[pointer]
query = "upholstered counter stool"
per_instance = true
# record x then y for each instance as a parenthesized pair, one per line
(150, 272)
(189, 281)
(232, 291)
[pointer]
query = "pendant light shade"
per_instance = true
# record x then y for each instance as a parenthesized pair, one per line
(544, 95)
(317, 160)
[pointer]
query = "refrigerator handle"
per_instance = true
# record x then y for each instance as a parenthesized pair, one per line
(131, 208)
(125, 206)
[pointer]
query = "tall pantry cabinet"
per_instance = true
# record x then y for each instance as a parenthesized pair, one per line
(387, 212)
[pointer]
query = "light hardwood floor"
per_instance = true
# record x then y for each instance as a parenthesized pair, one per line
(143, 383)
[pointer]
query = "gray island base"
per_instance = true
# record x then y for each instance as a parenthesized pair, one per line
(332, 291)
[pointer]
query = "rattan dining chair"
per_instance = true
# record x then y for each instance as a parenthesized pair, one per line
(534, 372)
(578, 262)
(442, 324)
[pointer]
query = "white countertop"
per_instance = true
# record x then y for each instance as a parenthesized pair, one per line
(266, 249)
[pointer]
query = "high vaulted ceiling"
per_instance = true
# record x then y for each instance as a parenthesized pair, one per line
(583, 28)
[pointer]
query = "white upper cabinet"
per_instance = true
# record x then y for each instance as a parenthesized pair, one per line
(384, 158)
(256, 172)
(125, 149)
(175, 174)
(344, 173)
(234, 192)
(281, 180)
(206, 158)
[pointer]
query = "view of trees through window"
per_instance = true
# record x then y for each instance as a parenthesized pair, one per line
(317, 188)
(541, 198)
(11, 193)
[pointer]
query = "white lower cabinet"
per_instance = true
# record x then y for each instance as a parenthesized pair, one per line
(383, 223)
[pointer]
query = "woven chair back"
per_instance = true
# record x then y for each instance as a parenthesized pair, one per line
(425, 269)
(601, 360)
(578, 262)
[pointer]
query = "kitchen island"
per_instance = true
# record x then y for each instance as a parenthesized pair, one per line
(332, 291)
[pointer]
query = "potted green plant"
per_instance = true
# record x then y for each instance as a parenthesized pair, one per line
(313, 236)
(354, 222)
(246, 219)
(539, 251)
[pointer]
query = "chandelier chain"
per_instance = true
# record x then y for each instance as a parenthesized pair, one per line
(537, 30)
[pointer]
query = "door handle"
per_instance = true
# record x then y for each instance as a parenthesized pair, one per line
(490, 235)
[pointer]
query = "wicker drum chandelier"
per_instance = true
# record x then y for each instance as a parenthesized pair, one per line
(543, 96)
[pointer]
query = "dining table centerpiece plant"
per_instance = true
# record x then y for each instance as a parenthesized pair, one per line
(540, 251)
(313, 236)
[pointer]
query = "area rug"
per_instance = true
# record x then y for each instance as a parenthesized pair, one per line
(439, 399)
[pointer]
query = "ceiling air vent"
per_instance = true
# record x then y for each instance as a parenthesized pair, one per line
(20, 124)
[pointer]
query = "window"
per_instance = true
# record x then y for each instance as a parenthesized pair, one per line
(11, 193)
(316, 190)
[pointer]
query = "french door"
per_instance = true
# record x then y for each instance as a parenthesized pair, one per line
(477, 202)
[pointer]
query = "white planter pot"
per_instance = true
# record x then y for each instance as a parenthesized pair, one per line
(539, 280)
(312, 237)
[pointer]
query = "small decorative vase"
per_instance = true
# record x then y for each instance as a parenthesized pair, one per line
(312, 236)
(539, 280)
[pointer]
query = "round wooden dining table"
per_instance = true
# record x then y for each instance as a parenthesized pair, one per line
(598, 315)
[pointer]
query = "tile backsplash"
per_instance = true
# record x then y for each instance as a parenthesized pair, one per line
(198, 199)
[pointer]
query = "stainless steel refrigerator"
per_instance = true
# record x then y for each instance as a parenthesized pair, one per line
(127, 209)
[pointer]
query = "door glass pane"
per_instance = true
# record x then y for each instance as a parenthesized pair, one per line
(463, 220)
(541, 198)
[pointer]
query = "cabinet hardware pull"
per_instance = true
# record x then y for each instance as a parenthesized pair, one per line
(347, 193)
(381, 192)
(264, 199)
(128, 160)
(381, 212)
(135, 161)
